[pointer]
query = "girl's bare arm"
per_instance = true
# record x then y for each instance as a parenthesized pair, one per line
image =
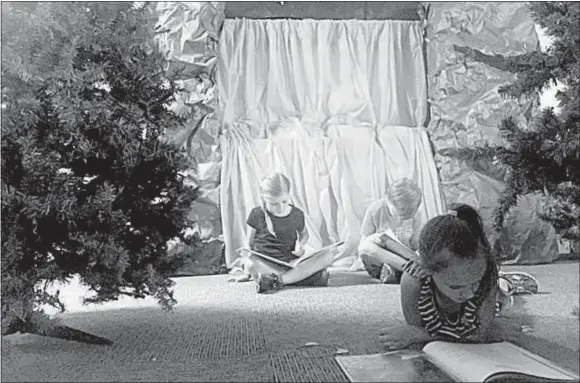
(486, 313)
(250, 235)
(410, 293)
(303, 236)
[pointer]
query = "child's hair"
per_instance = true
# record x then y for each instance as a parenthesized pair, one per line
(460, 231)
(406, 196)
(273, 185)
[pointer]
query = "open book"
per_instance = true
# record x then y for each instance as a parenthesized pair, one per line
(298, 260)
(460, 362)
(389, 241)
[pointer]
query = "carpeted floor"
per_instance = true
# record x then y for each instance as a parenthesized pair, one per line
(226, 332)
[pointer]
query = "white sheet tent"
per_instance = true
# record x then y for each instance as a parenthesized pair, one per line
(340, 107)
(336, 105)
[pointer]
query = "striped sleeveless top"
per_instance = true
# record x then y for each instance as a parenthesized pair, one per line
(458, 326)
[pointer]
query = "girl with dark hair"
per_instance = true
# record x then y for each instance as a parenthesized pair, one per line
(450, 291)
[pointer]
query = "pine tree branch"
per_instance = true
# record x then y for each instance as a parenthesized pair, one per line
(536, 70)
(79, 178)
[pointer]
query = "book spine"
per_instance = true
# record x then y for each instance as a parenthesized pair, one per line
(544, 361)
(443, 367)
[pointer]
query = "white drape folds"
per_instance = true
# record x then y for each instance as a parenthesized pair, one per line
(336, 105)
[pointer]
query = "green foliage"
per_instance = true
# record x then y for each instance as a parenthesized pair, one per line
(545, 156)
(88, 186)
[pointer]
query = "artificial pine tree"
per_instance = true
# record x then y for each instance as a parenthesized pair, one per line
(88, 186)
(543, 157)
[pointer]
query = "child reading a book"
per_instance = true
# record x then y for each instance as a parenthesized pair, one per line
(396, 212)
(449, 292)
(277, 229)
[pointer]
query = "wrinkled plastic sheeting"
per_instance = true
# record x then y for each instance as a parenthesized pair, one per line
(189, 33)
(527, 239)
(466, 110)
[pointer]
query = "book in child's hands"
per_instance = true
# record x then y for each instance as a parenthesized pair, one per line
(298, 260)
(389, 241)
(460, 362)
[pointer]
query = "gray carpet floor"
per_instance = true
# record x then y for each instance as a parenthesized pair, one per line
(223, 331)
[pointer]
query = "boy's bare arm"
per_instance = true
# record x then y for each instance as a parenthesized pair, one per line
(394, 246)
(367, 226)
(418, 223)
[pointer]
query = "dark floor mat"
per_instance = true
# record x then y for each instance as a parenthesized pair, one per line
(312, 363)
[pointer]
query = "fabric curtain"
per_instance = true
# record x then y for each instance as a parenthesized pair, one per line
(336, 105)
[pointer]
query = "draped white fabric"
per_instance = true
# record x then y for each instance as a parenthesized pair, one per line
(336, 105)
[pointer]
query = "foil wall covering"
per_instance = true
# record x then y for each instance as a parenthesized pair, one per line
(466, 111)
(466, 108)
(189, 33)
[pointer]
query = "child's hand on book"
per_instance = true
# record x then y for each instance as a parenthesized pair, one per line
(402, 336)
(508, 329)
(299, 250)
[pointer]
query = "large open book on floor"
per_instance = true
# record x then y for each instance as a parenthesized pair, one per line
(459, 362)
(298, 260)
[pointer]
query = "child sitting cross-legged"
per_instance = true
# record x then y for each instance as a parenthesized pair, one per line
(398, 212)
(277, 229)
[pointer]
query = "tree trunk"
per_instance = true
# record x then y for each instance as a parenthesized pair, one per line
(15, 325)
(69, 333)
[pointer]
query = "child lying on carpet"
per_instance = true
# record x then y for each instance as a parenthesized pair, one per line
(450, 292)
(277, 229)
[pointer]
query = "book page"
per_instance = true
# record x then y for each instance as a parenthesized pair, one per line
(392, 235)
(294, 262)
(317, 252)
(267, 258)
(477, 362)
(398, 366)
(392, 243)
